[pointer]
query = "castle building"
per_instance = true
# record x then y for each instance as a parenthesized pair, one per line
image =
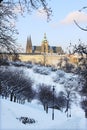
(35, 54)
(44, 48)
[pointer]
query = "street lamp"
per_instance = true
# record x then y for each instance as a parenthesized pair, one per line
(53, 104)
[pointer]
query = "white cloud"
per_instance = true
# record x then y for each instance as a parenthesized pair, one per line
(76, 15)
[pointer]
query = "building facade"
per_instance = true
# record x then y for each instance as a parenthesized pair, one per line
(43, 54)
(44, 48)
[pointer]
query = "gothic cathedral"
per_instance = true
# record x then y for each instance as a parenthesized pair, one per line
(44, 48)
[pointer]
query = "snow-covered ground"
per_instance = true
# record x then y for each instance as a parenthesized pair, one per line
(10, 111)
(49, 79)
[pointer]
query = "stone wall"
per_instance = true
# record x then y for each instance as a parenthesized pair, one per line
(47, 59)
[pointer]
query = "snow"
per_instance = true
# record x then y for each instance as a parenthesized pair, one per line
(10, 111)
(41, 78)
(46, 79)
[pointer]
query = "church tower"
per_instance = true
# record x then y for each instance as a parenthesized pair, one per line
(29, 45)
(44, 46)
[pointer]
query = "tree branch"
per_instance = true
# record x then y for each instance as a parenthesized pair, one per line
(84, 29)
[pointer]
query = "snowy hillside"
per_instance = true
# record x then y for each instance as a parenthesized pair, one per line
(39, 75)
(11, 111)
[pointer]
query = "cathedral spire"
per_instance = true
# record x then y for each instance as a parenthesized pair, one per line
(44, 46)
(29, 42)
(45, 36)
(29, 45)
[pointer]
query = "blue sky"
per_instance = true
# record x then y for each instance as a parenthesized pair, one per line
(61, 30)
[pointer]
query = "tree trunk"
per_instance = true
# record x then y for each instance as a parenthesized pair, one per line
(46, 108)
(14, 98)
(11, 96)
(2, 96)
(86, 113)
(17, 100)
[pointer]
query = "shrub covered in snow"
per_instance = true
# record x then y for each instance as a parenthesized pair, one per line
(18, 63)
(42, 70)
(4, 62)
(60, 77)
(53, 69)
(28, 65)
(26, 120)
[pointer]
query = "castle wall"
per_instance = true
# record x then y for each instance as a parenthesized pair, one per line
(34, 58)
(47, 59)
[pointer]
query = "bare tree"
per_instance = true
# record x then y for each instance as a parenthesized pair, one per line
(81, 50)
(16, 85)
(70, 94)
(1, 1)
(6, 28)
(9, 10)
(29, 5)
(45, 95)
(82, 28)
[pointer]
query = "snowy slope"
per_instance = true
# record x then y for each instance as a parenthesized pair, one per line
(38, 78)
(10, 111)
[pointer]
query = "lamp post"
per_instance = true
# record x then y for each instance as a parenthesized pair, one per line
(53, 104)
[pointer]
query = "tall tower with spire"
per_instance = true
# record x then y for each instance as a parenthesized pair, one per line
(29, 45)
(44, 46)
